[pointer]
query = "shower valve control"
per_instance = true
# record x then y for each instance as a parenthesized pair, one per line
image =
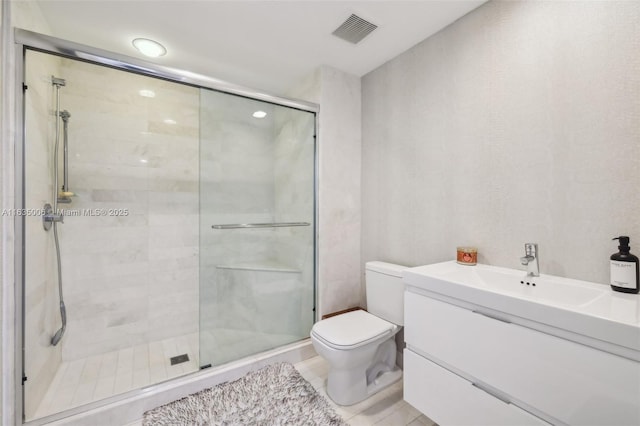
(53, 217)
(50, 217)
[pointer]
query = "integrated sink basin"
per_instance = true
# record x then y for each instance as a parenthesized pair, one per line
(590, 309)
(545, 288)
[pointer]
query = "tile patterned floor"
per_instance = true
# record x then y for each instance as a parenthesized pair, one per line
(89, 379)
(386, 408)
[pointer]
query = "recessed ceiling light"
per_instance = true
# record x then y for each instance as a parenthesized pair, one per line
(147, 93)
(259, 114)
(149, 47)
(144, 160)
(169, 121)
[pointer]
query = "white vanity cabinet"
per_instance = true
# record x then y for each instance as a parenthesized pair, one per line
(466, 364)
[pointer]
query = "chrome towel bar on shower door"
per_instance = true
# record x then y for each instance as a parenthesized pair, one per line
(260, 225)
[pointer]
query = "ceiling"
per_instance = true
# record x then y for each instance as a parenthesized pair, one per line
(267, 45)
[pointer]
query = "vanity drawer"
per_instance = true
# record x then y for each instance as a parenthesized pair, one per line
(573, 383)
(449, 399)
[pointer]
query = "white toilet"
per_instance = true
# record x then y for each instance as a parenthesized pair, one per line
(360, 346)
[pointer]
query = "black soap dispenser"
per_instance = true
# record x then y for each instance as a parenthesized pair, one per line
(624, 268)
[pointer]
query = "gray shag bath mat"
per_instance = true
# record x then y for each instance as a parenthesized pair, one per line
(273, 395)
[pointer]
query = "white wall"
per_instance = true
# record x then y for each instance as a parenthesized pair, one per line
(339, 145)
(518, 123)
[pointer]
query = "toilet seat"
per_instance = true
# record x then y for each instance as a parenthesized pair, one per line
(352, 330)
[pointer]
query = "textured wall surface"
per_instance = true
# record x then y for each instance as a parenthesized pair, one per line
(339, 196)
(518, 123)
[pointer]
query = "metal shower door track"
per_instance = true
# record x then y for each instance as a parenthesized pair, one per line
(81, 52)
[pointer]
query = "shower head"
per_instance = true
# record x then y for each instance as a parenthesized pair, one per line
(65, 115)
(58, 336)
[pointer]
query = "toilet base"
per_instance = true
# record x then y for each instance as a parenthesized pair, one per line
(384, 380)
(356, 381)
(345, 396)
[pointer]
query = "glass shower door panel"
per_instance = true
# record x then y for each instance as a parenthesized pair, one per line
(257, 230)
(128, 245)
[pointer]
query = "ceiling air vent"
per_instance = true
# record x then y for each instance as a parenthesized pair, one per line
(354, 29)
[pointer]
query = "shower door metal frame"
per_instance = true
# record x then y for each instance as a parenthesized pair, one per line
(29, 40)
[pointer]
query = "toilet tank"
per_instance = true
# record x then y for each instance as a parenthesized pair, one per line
(385, 291)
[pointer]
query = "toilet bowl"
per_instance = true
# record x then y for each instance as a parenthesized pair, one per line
(360, 346)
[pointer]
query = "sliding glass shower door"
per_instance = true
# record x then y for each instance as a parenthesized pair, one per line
(257, 226)
(188, 236)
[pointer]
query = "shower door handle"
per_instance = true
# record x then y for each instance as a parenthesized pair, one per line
(260, 225)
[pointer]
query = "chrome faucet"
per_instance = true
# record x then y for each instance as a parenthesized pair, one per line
(531, 259)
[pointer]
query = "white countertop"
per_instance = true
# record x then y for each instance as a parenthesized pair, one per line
(589, 309)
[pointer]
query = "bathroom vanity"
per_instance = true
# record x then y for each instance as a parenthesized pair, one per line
(489, 346)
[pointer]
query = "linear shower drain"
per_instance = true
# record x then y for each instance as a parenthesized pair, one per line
(179, 359)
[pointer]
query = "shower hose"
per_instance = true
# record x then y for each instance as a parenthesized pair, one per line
(63, 311)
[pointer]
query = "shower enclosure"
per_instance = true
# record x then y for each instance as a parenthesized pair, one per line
(189, 239)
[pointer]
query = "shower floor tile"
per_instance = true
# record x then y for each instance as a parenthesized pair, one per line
(97, 377)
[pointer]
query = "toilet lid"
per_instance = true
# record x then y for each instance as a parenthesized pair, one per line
(351, 329)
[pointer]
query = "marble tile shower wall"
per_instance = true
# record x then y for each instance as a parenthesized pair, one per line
(129, 278)
(41, 307)
(236, 163)
(294, 202)
(256, 171)
(133, 277)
